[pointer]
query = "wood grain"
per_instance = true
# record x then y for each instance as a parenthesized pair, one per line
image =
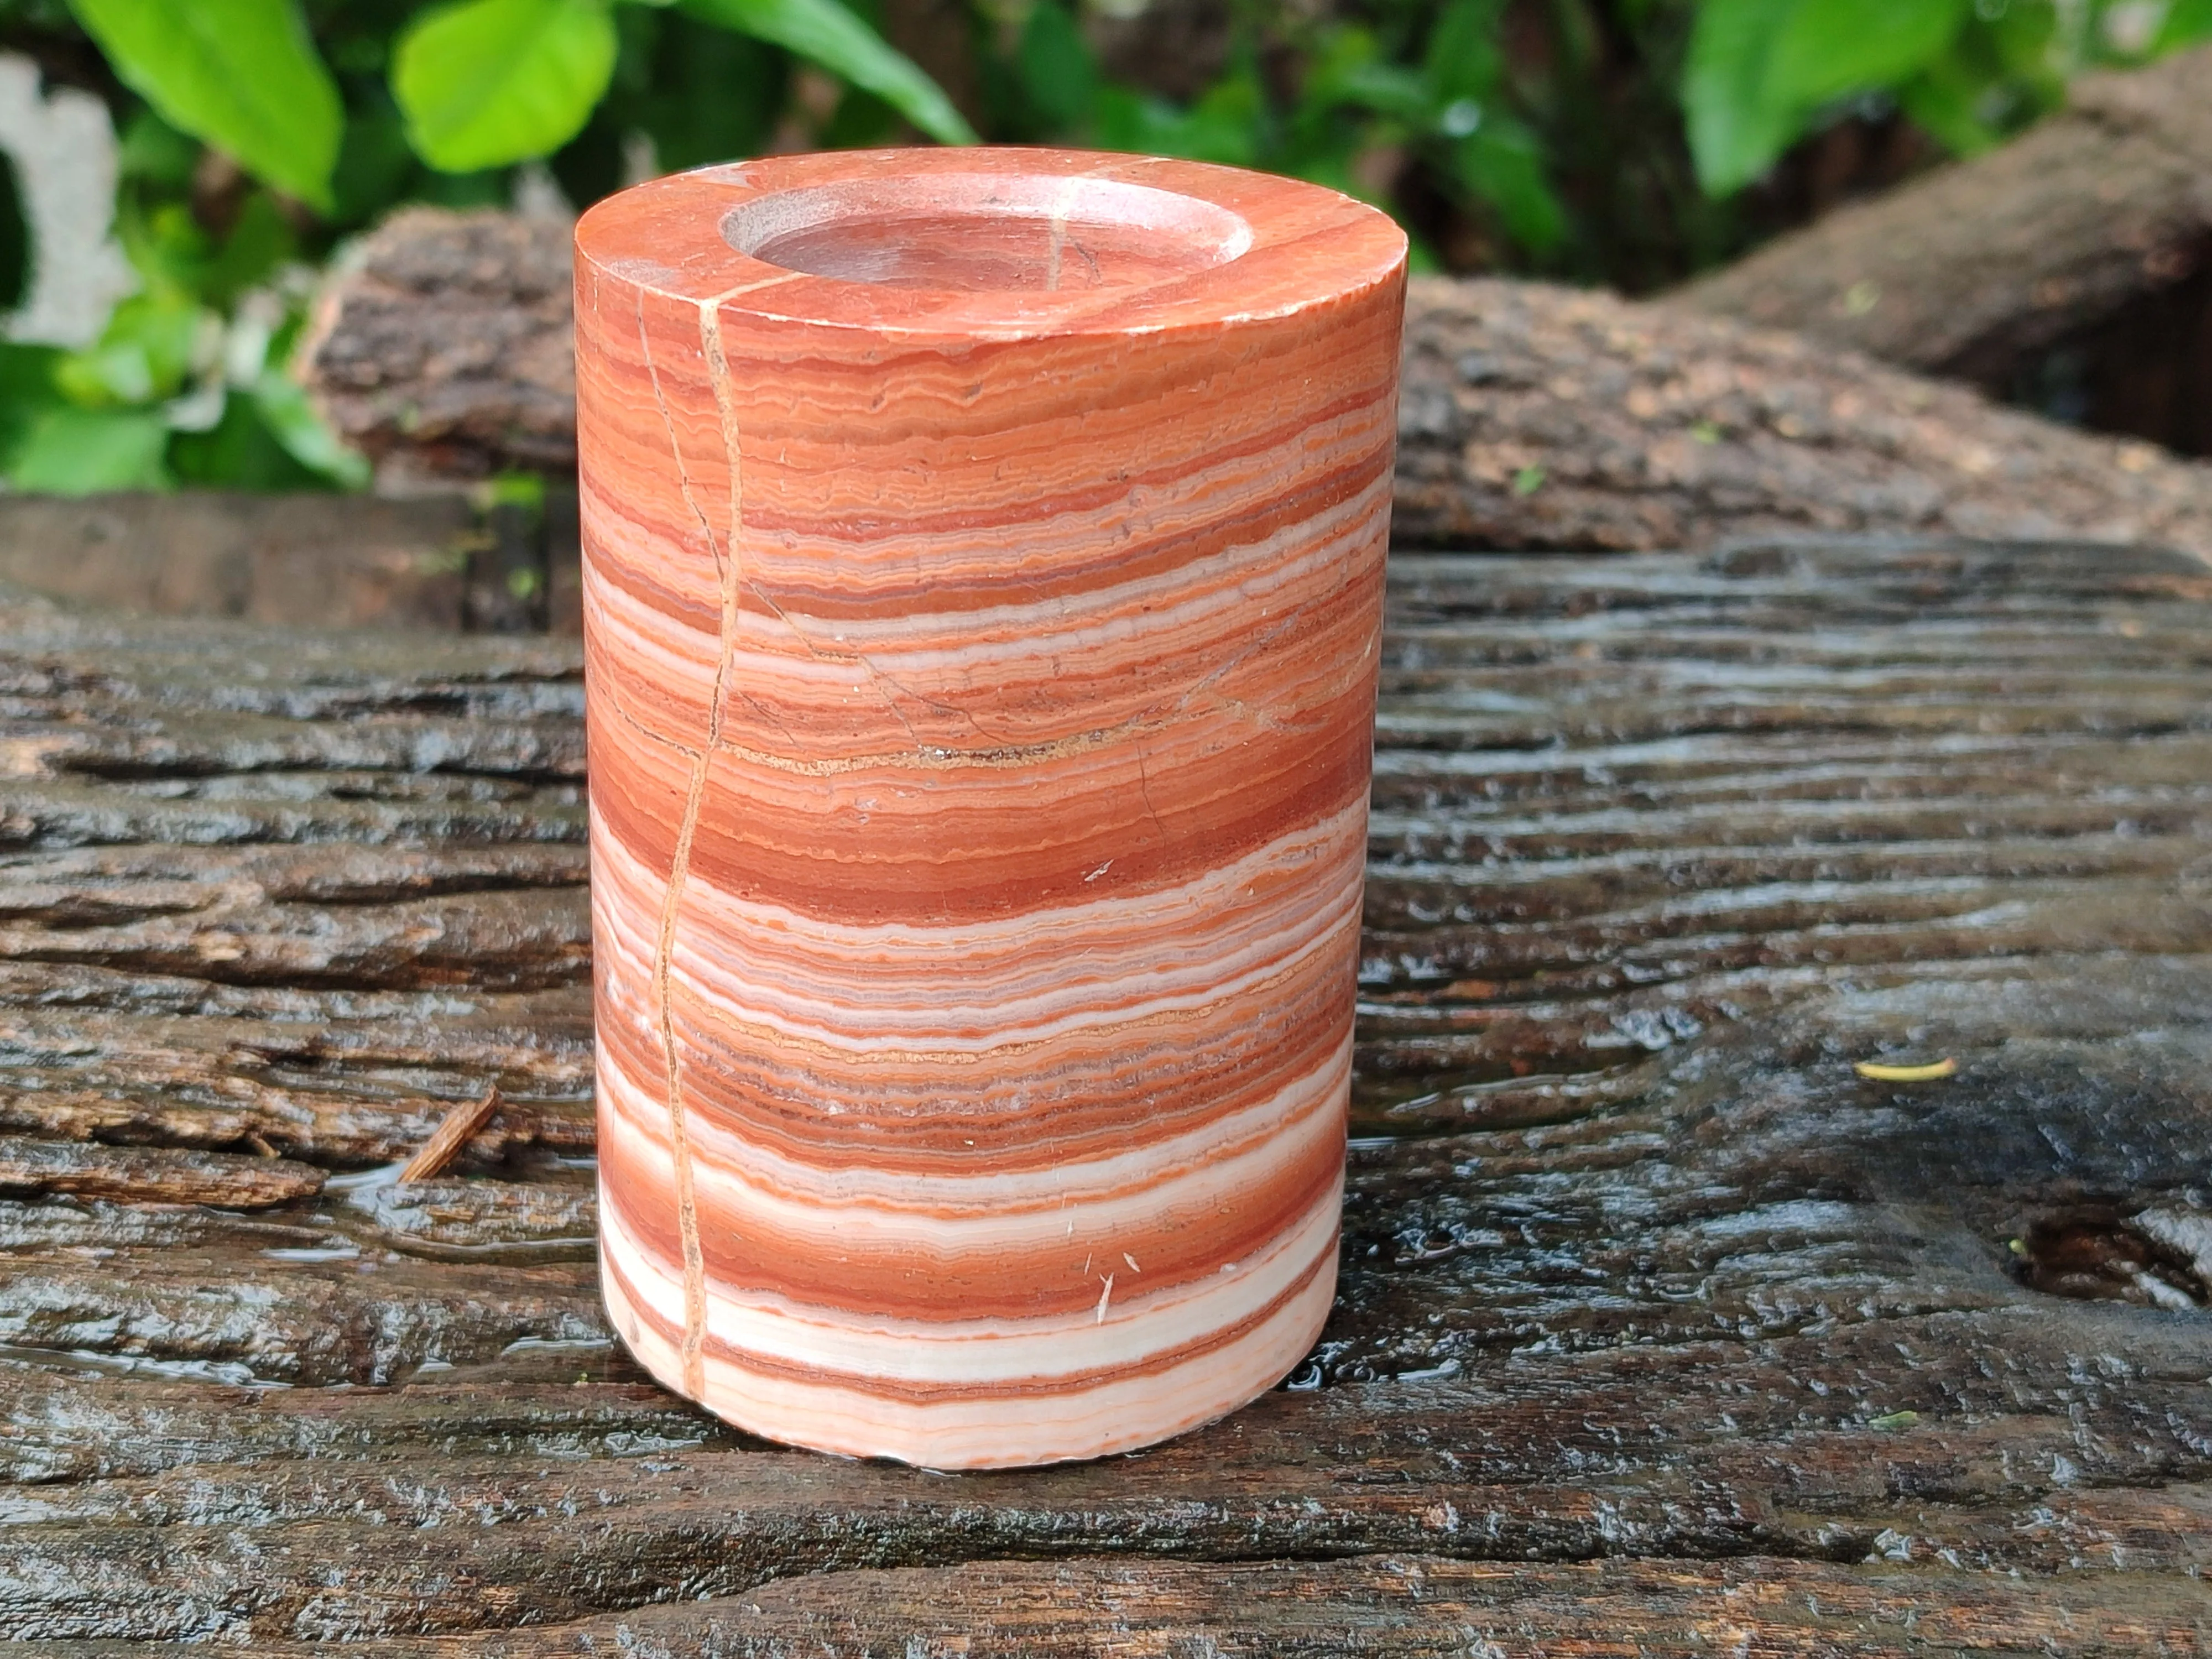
(445, 1140)
(1657, 1324)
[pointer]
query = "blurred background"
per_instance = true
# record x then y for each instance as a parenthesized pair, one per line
(174, 173)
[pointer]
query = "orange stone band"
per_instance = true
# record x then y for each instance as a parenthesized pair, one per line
(983, 587)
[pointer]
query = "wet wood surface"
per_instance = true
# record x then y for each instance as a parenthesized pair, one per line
(1662, 1330)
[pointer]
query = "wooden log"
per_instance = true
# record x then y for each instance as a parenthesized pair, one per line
(1536, 416)
(1530, 416)
(441, 345)
(1660, 1325)
(1970, 269)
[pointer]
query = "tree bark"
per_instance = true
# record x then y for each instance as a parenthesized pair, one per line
(1968, 271)
(1532, 415)
(442, 346)
(1546, 417)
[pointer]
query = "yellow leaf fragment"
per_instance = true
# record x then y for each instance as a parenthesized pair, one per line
(1928, 1073)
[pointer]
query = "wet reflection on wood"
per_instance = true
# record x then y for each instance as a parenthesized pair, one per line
(1662, 1329)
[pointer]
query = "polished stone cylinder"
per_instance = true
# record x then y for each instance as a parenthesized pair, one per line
(983, 587)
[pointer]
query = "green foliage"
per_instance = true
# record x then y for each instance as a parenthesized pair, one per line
(1736, 128)
(1762, 73)
(689, 92)
(486, 82)
(1418, 85)
(2186, 21)
(1056, 71)
(241, 74)
(1601, 140)
(68, 451)
(1492, 157)
(282, 411)
(26, 392)
(1825, 49)
(475, 85)
(387, 101)
(152, 344)
(185, 382)
(827, 34)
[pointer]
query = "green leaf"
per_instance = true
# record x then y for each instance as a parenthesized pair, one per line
(1825, 49)
(150, 347)
(166, 244)
(824, 33)
(1502, 163)
(27, 391)
(1057, 75)
(152, 150)
(1759, 70)
(1350, 70)
(525, 491)
(2186, 20)
(486, 82)
(79, 451)
(1462, 60)
(373, 164)
(240, 74)
(1946, 105)
(2024, 39)
(710, 94)
(238, 452)
(1735, 132)
(260, 242)
(1224, 125)
(292, 420)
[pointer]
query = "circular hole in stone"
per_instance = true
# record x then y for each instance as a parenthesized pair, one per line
(981, 233)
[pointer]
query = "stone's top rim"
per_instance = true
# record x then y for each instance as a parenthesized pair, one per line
(1309, 246)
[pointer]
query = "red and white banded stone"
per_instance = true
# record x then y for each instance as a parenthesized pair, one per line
(983, 575)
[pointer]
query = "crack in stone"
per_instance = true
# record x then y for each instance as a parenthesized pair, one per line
(842, 659)
(952, 711)
(860, 659)
(1144, 788)
(726, 575)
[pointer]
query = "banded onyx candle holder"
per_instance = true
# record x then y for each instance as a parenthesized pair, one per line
(983, 579)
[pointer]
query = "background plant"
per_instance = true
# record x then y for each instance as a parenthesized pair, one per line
(1627, 142)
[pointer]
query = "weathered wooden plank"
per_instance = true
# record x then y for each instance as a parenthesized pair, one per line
(387, 1515)
(1411, 1607)
(291, 560)
(152, 1175)
(1643, 1285)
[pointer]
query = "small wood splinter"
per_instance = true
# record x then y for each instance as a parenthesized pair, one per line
(448, 1138)
(1928, 1073)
